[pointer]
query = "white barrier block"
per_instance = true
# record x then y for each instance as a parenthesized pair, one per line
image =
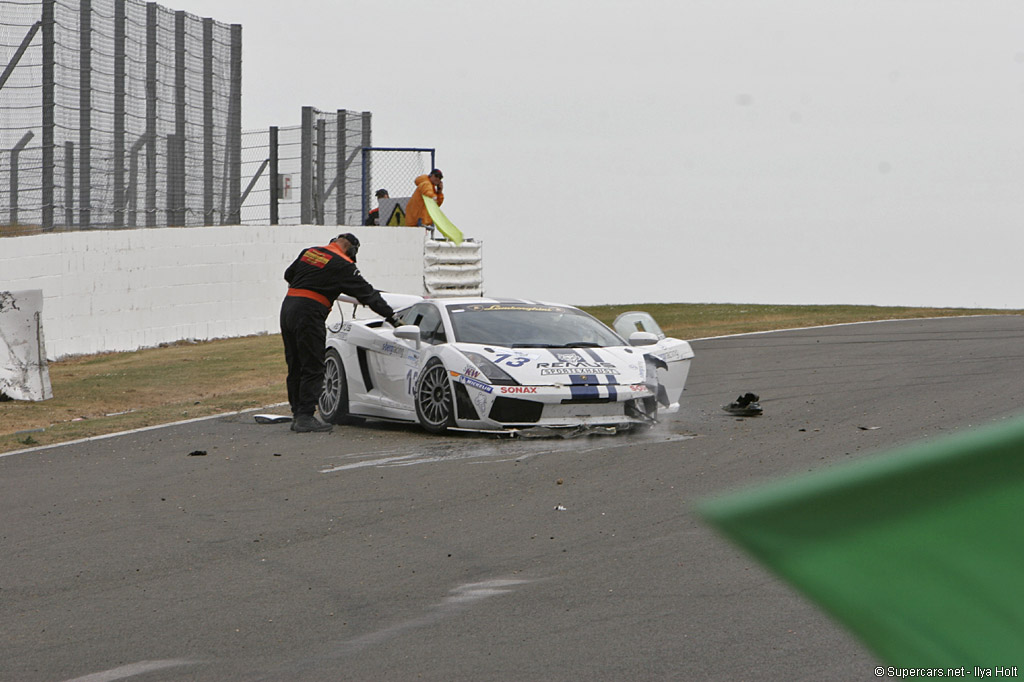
(24, 374)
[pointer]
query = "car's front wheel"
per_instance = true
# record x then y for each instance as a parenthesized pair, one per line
(334, 399)
(435, 407)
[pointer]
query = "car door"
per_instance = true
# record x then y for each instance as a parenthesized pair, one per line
(385, 364)
(675, 353)
(394, 363)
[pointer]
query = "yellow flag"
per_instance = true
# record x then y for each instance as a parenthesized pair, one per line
(441, 222)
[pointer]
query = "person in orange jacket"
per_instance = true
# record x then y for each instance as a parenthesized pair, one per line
(430, 185)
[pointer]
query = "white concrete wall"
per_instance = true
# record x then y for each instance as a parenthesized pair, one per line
(119, 290)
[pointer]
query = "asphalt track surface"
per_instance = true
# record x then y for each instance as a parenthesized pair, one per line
(382, 553)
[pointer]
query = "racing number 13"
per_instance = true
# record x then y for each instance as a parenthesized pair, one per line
(516, 360)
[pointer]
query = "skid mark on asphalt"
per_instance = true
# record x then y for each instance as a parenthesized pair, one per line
(493, 452)
(459, 598)
(131, 670)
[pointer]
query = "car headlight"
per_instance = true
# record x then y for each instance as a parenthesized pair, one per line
(495, 374)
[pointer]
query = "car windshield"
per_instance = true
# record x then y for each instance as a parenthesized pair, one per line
(524, 325)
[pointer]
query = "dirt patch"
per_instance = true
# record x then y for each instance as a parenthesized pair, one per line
(99, 394)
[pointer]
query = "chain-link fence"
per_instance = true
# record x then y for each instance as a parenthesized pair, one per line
(117, 113)
(123, 113)
(394, 169)
(324, 178)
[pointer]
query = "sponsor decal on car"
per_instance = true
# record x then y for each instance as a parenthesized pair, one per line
(481, 400)
(338, 330)
(511, 306)
(504, 354)
(471, 372)
(511, 360)
(388, 348)
(567, 355)
(560, 368)
(518, 389)
(398, 351)
(470, 381)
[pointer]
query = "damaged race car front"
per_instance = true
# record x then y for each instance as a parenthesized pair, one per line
(602, 389)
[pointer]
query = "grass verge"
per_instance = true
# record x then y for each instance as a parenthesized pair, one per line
(101, 394)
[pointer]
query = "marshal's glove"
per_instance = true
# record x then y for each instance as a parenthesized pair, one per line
(390, 319)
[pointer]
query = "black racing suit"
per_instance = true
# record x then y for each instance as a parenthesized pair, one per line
(315, 280)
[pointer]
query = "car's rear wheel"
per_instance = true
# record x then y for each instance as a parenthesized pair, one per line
(435, 407)
(334, 399)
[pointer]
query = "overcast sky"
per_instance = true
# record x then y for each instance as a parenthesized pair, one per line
(791, 151)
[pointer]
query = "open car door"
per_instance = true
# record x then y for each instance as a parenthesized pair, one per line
(675, 353)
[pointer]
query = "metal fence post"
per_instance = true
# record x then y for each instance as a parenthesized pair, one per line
(85, 113)
(321, 165)
(120, 18)
(69, 184)
(133, 180)
(366, 143)
(234, 150)
(150, 206)
(306, 180)
(364, 170)
(274, 186)
(176, 142)
(340, 186)
(15, 153)
(208, 207)
(48, 113)
(175, 180)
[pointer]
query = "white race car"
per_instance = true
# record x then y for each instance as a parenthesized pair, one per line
(487, 364)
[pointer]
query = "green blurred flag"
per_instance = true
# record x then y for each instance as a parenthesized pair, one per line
(919, 552)
(441, 222)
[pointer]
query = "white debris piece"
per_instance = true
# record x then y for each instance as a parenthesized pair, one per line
(24, 373)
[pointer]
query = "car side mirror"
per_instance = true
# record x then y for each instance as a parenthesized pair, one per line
(643, 339)
(408, 332)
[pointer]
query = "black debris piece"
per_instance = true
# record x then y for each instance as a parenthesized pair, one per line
(746, 405)
(197, 453)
